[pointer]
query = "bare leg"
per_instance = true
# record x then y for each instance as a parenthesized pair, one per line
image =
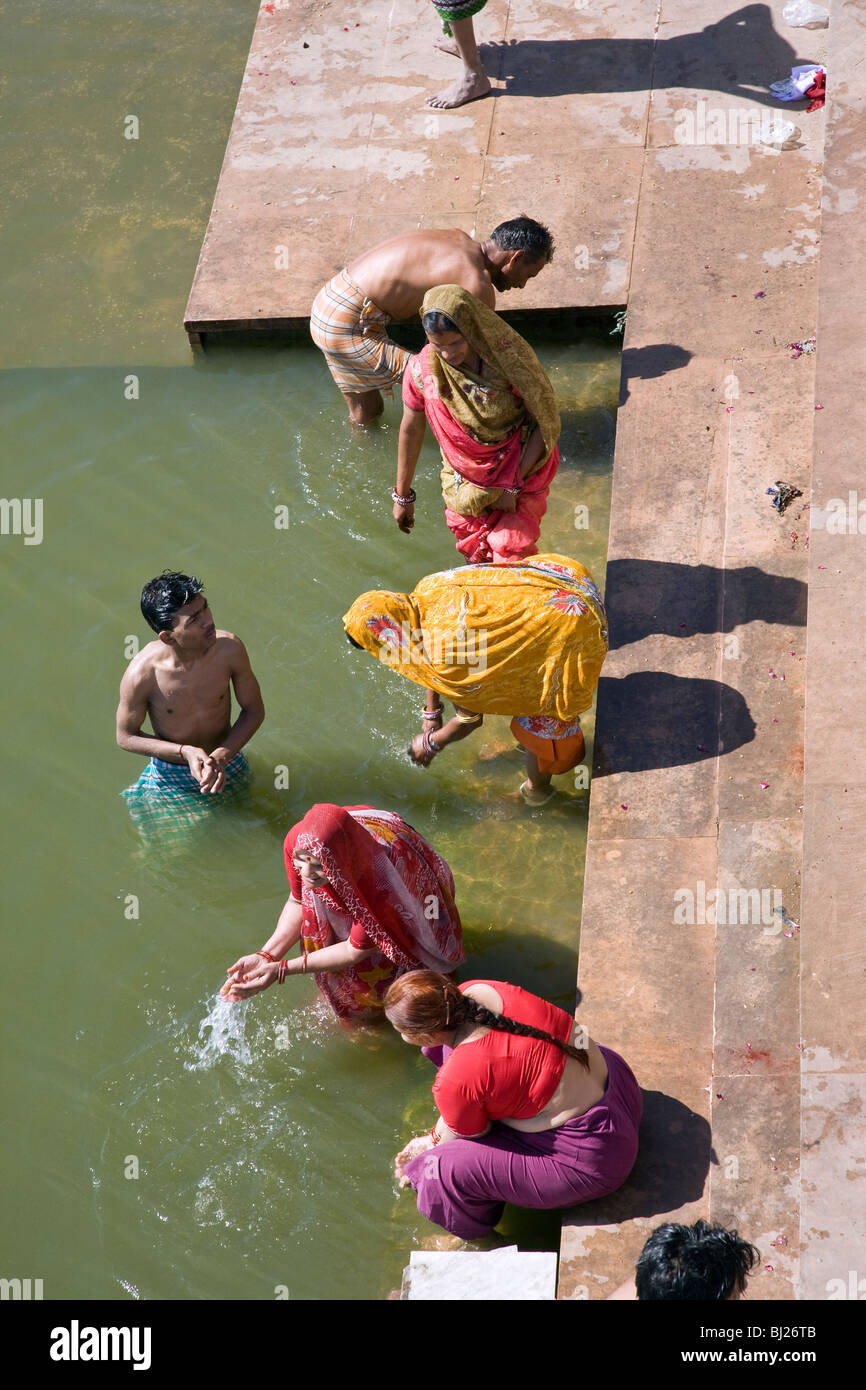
(538, 788)
(364, 406)
(473, 82)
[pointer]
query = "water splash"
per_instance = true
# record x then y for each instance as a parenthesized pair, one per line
(221, 1034)
(132, 1289)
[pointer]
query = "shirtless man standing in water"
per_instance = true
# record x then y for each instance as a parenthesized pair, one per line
(350, 315)
(181, 682)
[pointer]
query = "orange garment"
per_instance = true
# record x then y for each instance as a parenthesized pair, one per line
(556, 750)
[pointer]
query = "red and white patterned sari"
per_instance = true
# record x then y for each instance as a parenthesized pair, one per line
(387, 889)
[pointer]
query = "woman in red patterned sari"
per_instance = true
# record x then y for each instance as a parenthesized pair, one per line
(370, 899)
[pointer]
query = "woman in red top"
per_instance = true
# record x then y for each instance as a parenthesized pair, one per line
(370, 898)
(531, 1110)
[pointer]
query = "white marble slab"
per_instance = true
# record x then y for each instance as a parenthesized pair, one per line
(504, 1275)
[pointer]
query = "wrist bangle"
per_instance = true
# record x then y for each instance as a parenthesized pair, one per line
(429, 746)
(272, 960)
(436, 1136)
(180, 751)
(404, 501)
(283, 971)
(432, 713)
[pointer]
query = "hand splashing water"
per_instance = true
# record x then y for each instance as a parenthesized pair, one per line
(221, 1034)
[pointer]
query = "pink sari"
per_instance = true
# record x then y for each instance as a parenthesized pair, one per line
(495, 536)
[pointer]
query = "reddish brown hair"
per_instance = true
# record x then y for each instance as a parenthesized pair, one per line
(423, 1002)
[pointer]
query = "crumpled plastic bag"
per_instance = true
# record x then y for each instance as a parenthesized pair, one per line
(778, 132)
(801, 12)
(795, 87)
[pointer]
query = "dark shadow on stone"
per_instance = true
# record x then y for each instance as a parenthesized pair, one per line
(654, 360)
(671, 1170)
(644, 597)
(652, 719)
(743, 51)
(529, 1229)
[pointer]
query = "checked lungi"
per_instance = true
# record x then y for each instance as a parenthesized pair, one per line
(351, 331)
(167, 801)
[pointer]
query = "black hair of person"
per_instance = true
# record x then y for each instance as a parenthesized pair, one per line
(525, 234)
(437, 322)
(699, 1262)
(162, 597)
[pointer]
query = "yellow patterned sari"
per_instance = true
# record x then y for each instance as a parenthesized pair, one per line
(524, 638)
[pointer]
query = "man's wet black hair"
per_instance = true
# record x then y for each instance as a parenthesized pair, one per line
(437, 322)
(699, 1262)
(524, 234)
(163, 596)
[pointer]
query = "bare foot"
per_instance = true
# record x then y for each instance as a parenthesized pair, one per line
(442, 1241)
(469, 87)
(534, 796)
(448, 46)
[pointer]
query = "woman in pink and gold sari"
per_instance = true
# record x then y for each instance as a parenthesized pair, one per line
(485, 396)
(370, 899)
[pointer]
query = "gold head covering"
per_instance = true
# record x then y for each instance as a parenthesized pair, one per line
(525, 638)
(511, 359)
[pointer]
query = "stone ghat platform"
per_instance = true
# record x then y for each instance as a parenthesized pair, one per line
(646, 137)
(722, 940)
(333, 149)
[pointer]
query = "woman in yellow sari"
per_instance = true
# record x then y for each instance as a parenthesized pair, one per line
(526, 639)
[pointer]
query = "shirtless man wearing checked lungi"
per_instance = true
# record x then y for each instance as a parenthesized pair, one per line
(183, 683)
(350, 315)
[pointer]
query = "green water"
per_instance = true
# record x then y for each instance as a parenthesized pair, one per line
(264, 1155)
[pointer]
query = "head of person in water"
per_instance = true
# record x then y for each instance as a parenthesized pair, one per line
(700, 1262)
(174, 606)
(517, 251)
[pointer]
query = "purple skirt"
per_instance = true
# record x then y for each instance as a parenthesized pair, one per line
(463, 1185)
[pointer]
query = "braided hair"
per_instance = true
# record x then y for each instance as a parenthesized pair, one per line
(423, 1002)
